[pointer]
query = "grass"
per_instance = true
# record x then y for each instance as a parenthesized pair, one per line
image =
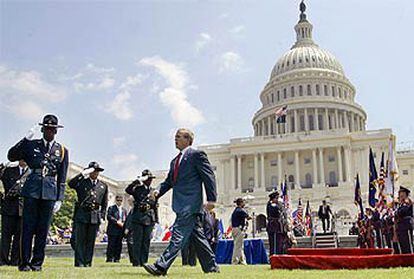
(63, 268)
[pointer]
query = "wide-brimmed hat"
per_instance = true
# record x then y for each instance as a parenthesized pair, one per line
(96, 166)
(404, 190)
(274, 194)
(148, 173)
(51, 121)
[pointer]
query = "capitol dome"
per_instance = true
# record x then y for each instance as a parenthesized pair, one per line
(311, 83)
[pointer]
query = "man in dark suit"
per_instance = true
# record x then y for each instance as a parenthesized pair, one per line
(116, 218)
(43, 191)
(324, 213)
(11, 212)
(188, 171)
(90, 209)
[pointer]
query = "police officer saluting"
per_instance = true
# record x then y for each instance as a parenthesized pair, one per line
(89, 210)
(12, 177)
(143, 217)
(43, 191)
(404, 221)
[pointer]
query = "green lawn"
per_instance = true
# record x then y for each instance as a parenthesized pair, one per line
(63, 268)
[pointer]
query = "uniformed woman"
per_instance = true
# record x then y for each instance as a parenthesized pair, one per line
(275, 224)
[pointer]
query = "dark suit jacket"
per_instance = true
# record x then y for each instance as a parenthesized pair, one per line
(50, 187)
(327, 214)
(194, 170)
(84, 188)
(10, 205)
(113, 217)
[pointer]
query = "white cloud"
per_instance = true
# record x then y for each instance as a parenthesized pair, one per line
(120, 106)
(127, 165)
(25, 93)
(118, 141)
(238, 31)
(231, 62)
(202, 41)
(93, 78)
(174, 96)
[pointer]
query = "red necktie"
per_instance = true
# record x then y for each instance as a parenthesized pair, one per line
(176, 166)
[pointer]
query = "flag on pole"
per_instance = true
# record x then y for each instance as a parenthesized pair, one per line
(373, 177)
(358, 197)
(297, 217)
(308, 220)
(391, 172)
(285, 195)
(281, 114)
(381, 183)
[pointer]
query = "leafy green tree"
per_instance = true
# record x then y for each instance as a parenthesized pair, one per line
(63, 218)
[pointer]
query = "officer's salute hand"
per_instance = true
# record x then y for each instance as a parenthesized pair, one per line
(87, 172)
(29, 135)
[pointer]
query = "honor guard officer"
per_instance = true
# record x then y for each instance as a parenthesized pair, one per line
(43, 191)
(275, 224)
(11, 212)
(404, 221)
(143, 217)
(89, 210)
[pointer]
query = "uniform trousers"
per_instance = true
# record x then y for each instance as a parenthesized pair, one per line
(85, 236)
(141, 243)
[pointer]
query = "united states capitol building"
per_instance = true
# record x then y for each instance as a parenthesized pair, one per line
(320, 149)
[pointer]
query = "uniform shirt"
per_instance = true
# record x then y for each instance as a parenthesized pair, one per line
(238, 218)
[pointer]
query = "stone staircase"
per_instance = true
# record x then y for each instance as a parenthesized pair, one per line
(325, 240)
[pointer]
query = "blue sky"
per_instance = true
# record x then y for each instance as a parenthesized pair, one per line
(122, 76)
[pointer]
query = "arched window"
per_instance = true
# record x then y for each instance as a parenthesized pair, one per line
(292, 91)
(317, 90)
(278, 95)
(291, 181)
(302, 123)
(300, 90)
(284, 93)
(332, 179)
(309, 90)
(325, 90)
(308, 181)
(333, 91)
(292, 124)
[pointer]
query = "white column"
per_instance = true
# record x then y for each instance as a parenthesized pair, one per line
(297, 171)
(287, 124)
(314, 166)
(269, 126)
(233, 172)
(262, 170)
(336, 119)
(339, 158)
(352, 122)
(279, 168)
(346, 120)
(295, 115)
(321, 167)
(239, 174)
(306, 120)
(326, 119)
(316, 120)
(256, 170)
(347, 164)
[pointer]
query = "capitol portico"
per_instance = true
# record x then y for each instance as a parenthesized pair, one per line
(321, 147)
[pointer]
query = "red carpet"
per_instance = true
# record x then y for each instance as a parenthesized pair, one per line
(339, 251)
(341, 258)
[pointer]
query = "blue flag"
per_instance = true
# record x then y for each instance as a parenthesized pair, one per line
(358, 197)
(373, 177)
(221, 228)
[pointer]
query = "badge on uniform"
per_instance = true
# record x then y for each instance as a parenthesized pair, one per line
(57, 153)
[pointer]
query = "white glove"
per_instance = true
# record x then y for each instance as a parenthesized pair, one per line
(11, 164)
(87, 172)
(30, 133)
(57, 206)
(143, 178)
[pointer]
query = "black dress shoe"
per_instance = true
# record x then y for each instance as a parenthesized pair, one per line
(36, 268)
(116, 261)
(109, 260)
(153, 270)
(24, 268)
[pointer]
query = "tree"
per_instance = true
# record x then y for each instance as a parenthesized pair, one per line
(63, 218)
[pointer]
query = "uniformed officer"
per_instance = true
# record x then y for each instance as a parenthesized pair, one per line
(11, 212)
(89, 211)
(43, 191)
(143, 217)
(404, 221)
(276, 214)
(239, 218)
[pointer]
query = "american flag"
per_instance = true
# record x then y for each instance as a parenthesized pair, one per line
(297, 216)
(281, 114)
(381, 184)
(285, 195)
(308, 220)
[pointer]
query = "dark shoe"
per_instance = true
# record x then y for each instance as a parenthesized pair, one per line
(116, 261)
(153, 270)
(36, 268)
(24, 268)
(109, 260)
(214, 270)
